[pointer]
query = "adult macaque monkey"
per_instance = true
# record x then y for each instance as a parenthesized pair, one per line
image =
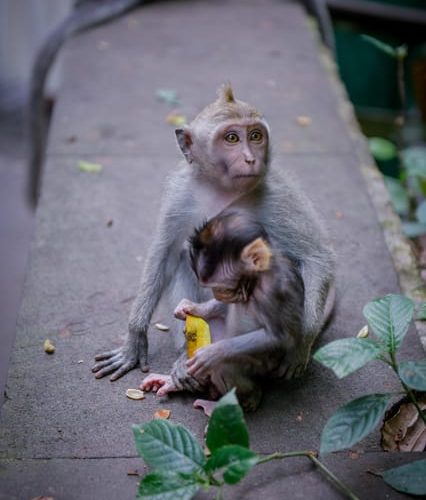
(232, 255)
(227, 154)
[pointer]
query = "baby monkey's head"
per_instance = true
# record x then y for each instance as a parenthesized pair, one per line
(228, 253)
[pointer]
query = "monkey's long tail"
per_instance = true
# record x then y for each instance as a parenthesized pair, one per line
(83, 17)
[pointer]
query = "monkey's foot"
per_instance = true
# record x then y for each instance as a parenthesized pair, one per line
(118, 362)
(206, 405)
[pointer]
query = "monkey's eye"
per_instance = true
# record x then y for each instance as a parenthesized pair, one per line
(231, 137)
(256, 136)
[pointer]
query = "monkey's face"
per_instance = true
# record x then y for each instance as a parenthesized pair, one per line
(225, 275)
(239, 152)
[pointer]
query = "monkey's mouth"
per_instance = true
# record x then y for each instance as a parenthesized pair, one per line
(246, 176)
(231, 295)
(227, 295)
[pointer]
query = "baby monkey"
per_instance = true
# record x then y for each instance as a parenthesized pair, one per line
(257, 290)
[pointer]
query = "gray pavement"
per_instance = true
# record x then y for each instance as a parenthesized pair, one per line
(16, 225)
(67, 435)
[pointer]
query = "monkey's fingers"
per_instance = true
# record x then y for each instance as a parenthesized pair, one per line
(184, 308)
(197, 369)
(106, 362)
(126, 367)
(106, 355)
(108, 369)
(153, 381)
(166, 388)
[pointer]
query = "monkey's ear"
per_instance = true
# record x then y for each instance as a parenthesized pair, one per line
(256, 256)
(184, 139)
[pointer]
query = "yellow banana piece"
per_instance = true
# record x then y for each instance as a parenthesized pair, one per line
(197, 333)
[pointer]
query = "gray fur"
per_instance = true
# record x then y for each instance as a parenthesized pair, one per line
(192, 197)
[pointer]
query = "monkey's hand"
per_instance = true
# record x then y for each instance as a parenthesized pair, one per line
(206, 310)
(122, 360)
(161, 384)
(205, 359)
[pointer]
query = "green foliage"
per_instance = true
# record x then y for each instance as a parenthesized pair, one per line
(179, 466)
(396, 52)
(169, 446)
(227, 425)
(382, 149)
(167, 486)
(235, 462)
(399, 195)
(413, 374)
(352, 422)
(409, 478)
(414, 161)
(389, 318)
(345, 356)
(406, 191)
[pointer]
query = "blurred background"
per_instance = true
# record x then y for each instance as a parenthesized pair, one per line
(384, 74)
(23, 26)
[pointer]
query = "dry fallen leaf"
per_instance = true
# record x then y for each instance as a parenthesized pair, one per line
(91, 168)
(363, 333)
(42, 497)
(162, 327)
(353, 455)
(304, 121)
(135, 394)
(299, 417)
(133, 473)
(403, 429)
(48, 347)
(175, 119)
(162, 414)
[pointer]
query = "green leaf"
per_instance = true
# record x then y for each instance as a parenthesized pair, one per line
(413, 229)
(389, 318)
(352, 422)
(382, 149)
(398, 194)
(413, 374)
(421, 212)
(91, 168)
(409, 478)
(164, 445)
(236, 461)
(227, 424)
(345, 356)
(383, 47)
(167, 486)
(414, 161)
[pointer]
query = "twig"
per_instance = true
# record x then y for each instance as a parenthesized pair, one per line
(312, 455)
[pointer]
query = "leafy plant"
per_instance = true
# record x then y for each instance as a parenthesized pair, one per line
(388, 318)
(408, 192)
(180, 467)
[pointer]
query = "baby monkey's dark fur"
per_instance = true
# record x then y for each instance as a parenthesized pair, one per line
(233, 255)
